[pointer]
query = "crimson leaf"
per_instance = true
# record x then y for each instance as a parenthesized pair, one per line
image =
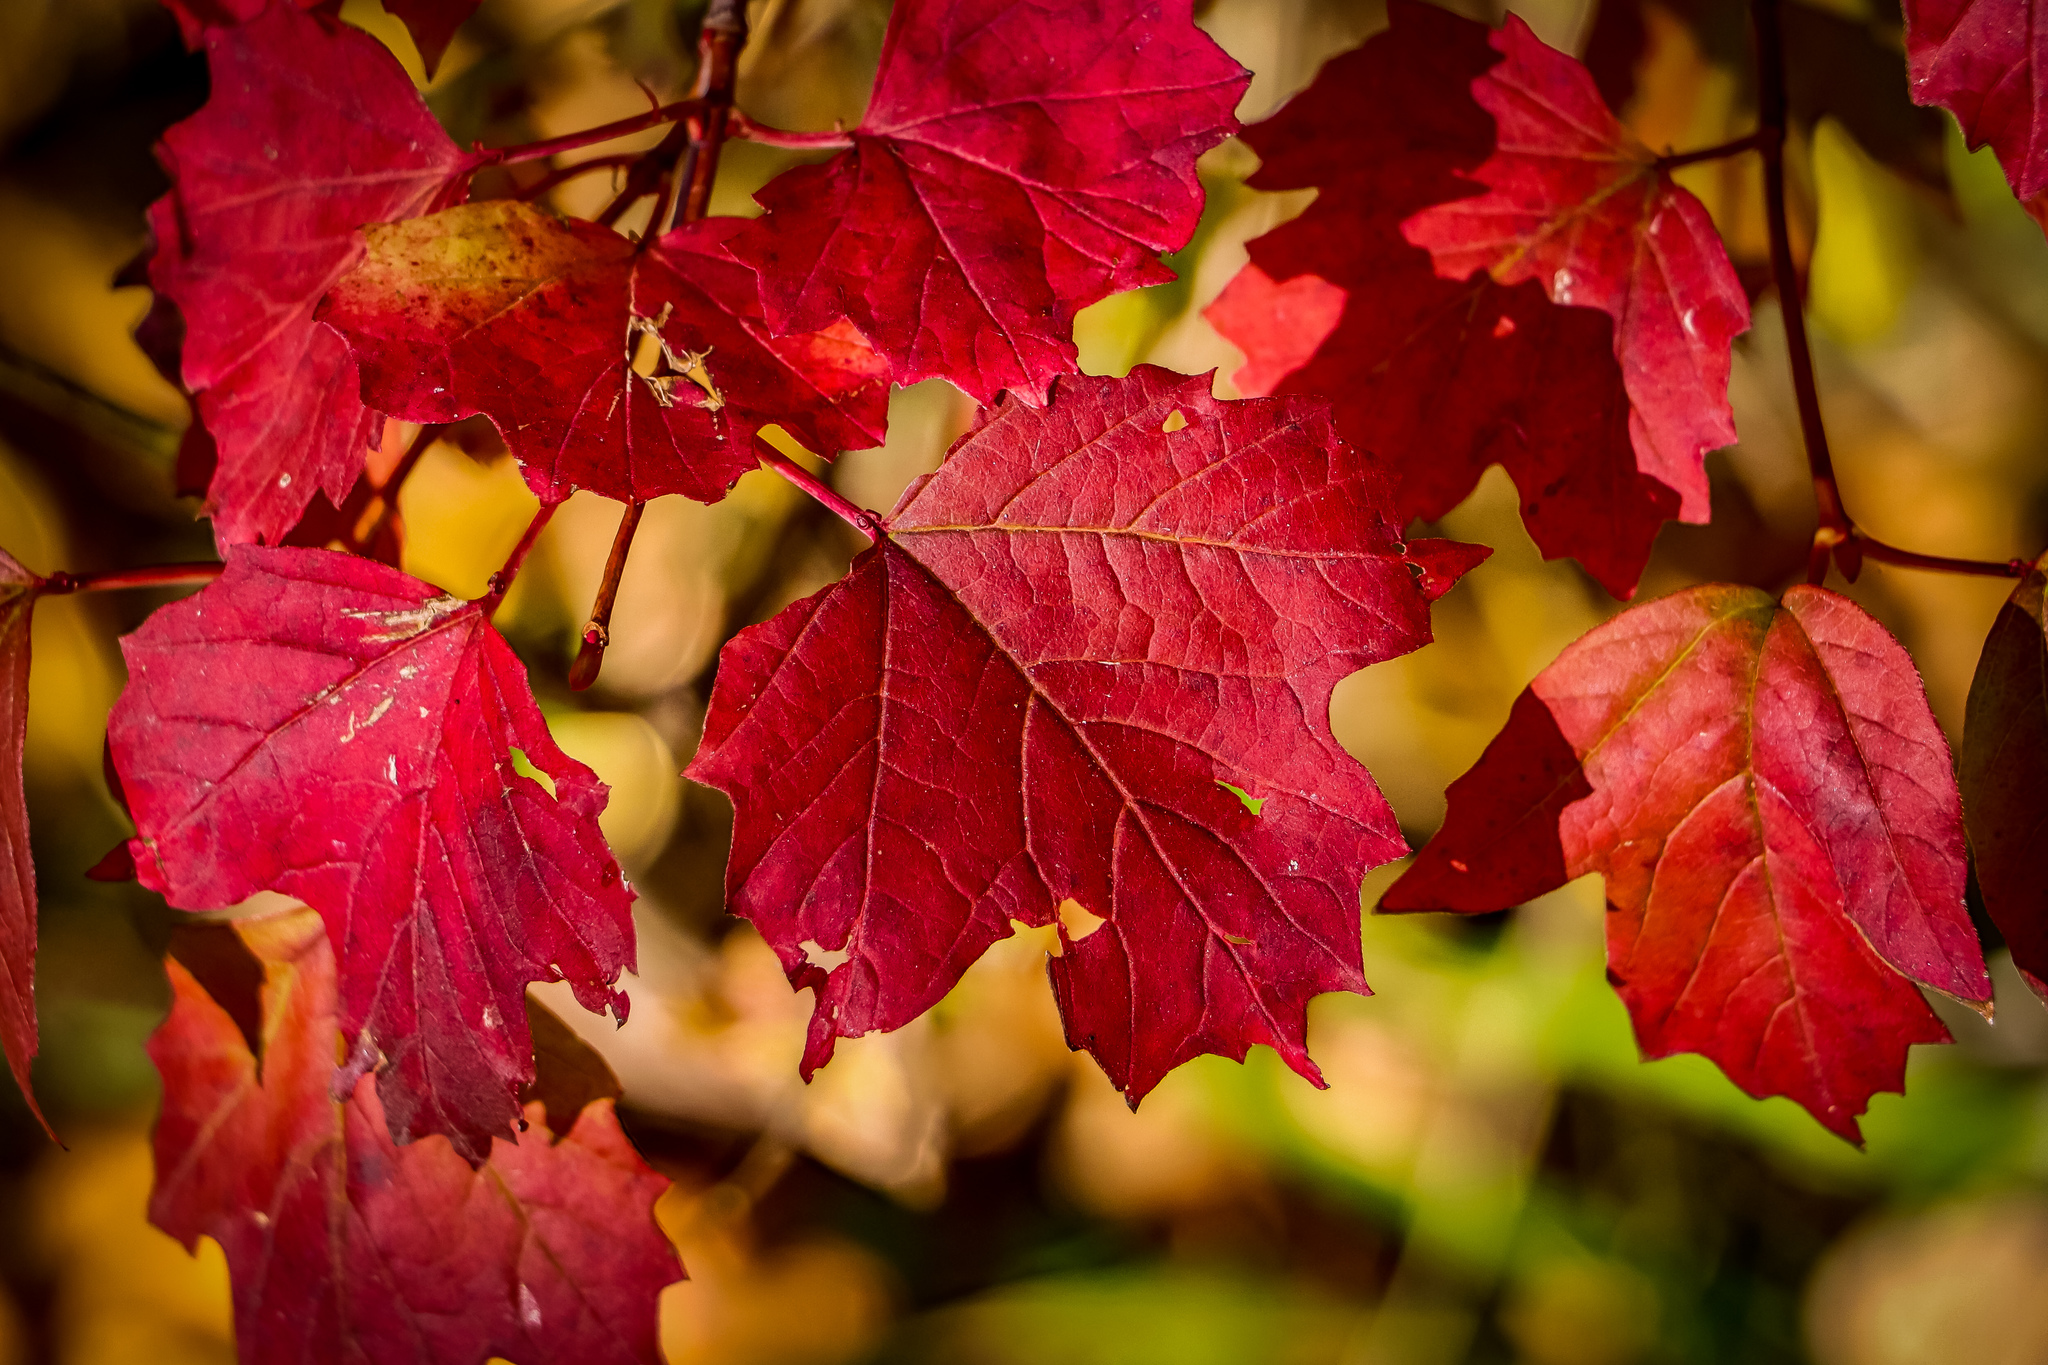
(1033, 689)
(1769, 798)
(1443, 377)
(343, 1247)
(1016, 163)
(311, 131)
(433, 22)
(320, 725)
(17, 866)
(502, 309)
(2005, 778)
(1986, 62)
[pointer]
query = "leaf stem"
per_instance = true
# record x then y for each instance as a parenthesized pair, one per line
(646, 174)
(597, 631)
(501, 581)
(745, 127)
(567, 173)
(1835, 531)
(1754, 142)
(718, 45)
(1869, 547)
(386, 497)
(867, 523)
(588, 137)
(60, 584)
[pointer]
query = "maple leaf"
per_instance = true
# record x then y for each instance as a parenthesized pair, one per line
(1442, 377)
(2004, 771)
(1577, 203)
(1016, 164)
(343, 1247)
(17, 866)
(503, 309)
(1986, 62)
(1032, 690)
(323, 726)
(1770, 800)
(311, 131)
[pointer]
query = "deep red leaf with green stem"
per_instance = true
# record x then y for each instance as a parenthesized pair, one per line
(1018, 161)
(1033, 689)
(345, 1248)
(627, 371)
(1770, 800)
(311, 131)
(324, 726)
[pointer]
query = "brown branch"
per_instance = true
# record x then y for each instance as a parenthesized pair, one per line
(718, 48)
(1752, 143)
(589, 137)
(60, 583)
(597, 631)
(570, 172)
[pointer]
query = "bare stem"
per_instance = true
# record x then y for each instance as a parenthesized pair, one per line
(1868, 547)
(744, 127)
(718, 47)
(60, 583)
(645, 177)
(597, 631)
(589, 137)
(1721, 151)
(1836, 531)
(567, 173)
(501, 581)
(867, 523)
(370, 526)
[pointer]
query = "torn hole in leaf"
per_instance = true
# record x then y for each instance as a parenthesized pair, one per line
(1234, 938)
(1078, 920)
(821, 957)
(1251, 803)
(1175, 421)
(659, 365)
(523, 765)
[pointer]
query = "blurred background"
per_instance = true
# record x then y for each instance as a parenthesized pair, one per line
(1493, 1174)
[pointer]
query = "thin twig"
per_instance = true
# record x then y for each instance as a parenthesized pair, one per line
(1872, 548)
(386, 499)
(60, 583)
(718, 47)
(1835, 530)
(597, 631)
(567, 173)
(589, 137)
(645, 177)
(745, 127)
(867, 523)
(501, 581)
(1752, 143)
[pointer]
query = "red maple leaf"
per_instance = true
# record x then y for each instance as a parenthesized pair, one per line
(1442, 377)
(1770, 800)
(1032, 690)
(1986, 62)
(17, 866)
(1576, 203)
(503, 309)
(343, 1247)
(2004, 771)
(320, 725)
(312, 130)
(1015, 165)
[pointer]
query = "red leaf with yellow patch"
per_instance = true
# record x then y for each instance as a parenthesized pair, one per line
(630, 372)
